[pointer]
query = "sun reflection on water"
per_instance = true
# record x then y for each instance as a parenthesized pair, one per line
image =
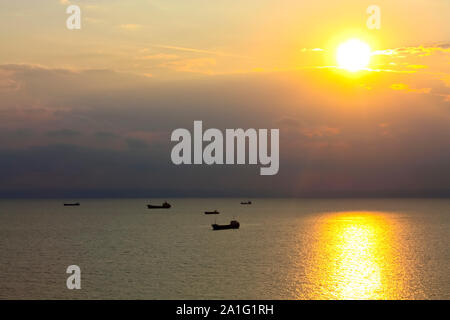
(353, 257)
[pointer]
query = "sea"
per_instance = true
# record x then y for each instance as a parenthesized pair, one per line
(284, 249)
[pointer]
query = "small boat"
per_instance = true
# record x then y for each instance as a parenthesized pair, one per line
(212, 212)
(233, 225)
(71, 204)
(165, 205)
(248, 202)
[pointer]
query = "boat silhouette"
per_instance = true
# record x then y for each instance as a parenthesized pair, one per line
(212, 212)
(248, 202)
(71, 204)
(165, 205)
(233, 225)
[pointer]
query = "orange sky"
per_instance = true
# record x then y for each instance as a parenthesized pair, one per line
(170, 39)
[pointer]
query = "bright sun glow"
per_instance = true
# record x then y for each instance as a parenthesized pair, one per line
(353, 55)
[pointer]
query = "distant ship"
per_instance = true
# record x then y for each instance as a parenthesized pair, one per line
(165, 205)
(248, 202)
(71, 204)
(212, 212)
(233, 225)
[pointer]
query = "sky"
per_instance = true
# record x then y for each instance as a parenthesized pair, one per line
(89, 112)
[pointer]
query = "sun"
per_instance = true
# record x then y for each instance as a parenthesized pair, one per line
(353, 55)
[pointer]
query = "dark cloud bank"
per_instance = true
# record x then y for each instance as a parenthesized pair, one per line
(103, 134)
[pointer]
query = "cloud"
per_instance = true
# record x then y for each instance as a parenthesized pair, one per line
(288, 122)
(8, 85)
(105, 135)
(63, 133)
(312, 50)
(194, 50)
(131, 26)
(321, 131)
(197, 65)
(100, 132)
(427, 65)
(402, 86)
(158, 56)
(417, 66)
(136, 143)
(415, 50)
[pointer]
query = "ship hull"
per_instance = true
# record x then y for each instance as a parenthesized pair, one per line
(149, 206)
(225, 227)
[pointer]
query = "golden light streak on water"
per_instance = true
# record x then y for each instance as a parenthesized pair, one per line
(353, 257)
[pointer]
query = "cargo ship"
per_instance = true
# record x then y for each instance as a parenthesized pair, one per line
(71, 204)
(165, 205)
(212, 212)
(233, 225)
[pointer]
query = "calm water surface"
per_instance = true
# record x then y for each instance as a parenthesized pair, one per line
(285, 249)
